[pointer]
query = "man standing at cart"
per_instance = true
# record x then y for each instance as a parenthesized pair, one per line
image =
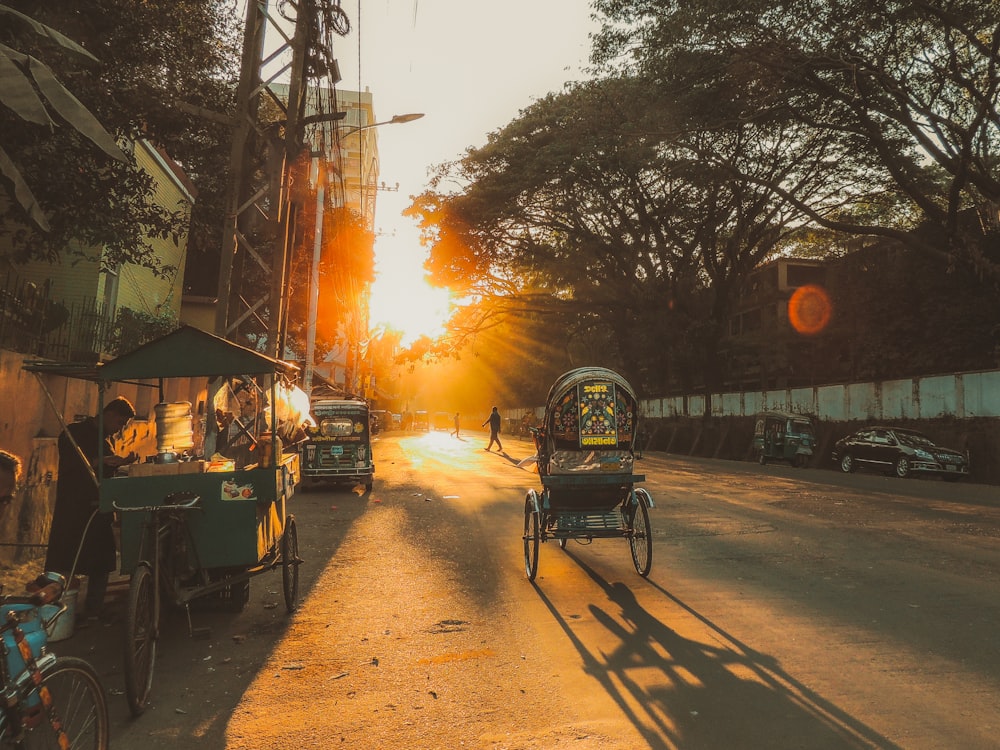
(76, 523)
(494, 422)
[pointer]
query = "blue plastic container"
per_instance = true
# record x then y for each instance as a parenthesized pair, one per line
(31, 623)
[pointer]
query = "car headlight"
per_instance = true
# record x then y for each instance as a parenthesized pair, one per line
(922, 454)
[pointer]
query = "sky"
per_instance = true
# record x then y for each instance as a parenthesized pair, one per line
(470, 66)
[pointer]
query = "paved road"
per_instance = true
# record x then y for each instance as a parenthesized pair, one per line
(785, 609)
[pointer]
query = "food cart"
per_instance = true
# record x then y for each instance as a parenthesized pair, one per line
(196, 525)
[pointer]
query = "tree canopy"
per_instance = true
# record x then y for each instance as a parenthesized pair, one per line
(149, 57)
(907, 89)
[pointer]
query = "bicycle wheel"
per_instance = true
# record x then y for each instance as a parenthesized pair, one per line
(79, 703)
(531, 537)
(140, 639)
(290, 564)
(640, 540)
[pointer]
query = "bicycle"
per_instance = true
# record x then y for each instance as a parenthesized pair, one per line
(168, 568)
(48, 701)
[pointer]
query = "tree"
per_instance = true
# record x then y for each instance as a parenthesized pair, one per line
(346, 272)
(33, 94)
(152, 55)
(909, 90)
(634, 214)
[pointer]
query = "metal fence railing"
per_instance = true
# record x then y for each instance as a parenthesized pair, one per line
(33, 323)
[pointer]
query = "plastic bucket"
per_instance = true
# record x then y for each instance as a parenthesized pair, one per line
(63, 626)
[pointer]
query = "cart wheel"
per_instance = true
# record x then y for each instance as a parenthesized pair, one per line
(640, 541)
(531, 537)
(290, 564)
(140, 639)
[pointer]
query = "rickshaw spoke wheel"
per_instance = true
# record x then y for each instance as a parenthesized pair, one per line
(532, 534)
(290, 565)
(140, 640)
(640, 539)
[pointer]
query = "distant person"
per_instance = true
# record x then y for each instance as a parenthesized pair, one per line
(455, 432)
(77, 499)
(493, 420)
(10, 475)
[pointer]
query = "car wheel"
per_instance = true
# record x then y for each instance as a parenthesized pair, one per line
(847, 463)
(902, 467)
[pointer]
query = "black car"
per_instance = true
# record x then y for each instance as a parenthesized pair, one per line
(901, 452)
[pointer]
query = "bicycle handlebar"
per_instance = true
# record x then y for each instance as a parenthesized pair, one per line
(173, 501)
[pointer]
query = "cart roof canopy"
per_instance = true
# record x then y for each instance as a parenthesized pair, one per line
(573, 378)
(186, 352)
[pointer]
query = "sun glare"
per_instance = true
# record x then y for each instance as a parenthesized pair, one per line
(407, 303)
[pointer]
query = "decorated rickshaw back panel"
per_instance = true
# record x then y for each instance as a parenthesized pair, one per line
(591, 426)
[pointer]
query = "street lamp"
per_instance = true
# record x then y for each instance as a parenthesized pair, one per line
(396, 120)
(318, 245)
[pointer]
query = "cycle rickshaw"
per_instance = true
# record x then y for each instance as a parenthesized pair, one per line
(585, 459)
(195, 525)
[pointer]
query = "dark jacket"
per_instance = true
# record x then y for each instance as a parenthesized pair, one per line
(76, 498)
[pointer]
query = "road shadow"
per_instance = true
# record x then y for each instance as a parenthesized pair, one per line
(198, 682)
(717, 693)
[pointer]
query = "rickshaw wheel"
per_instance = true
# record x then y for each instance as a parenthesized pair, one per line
(562, 543)
(640, 541)
(531, 537)
(290, 565)
(140, 640)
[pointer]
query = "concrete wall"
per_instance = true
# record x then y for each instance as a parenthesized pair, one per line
(961, 395)
(29, 427)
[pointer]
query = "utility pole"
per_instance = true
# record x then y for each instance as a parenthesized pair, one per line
(260, 201)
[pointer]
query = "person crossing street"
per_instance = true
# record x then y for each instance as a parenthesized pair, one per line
(493, 420)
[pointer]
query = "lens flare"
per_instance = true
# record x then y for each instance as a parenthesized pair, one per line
(809, 309)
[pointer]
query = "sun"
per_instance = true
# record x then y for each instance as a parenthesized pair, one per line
(403, 301)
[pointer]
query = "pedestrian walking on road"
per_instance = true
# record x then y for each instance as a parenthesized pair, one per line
(493, 420)
(455, 432)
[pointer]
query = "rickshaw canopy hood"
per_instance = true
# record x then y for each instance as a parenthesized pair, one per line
(570, 380)
(186, 352)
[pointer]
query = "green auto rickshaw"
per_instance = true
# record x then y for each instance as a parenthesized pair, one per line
(783, 436)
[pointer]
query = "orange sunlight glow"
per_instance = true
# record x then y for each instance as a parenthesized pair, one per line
(405, 302)
(809, 309)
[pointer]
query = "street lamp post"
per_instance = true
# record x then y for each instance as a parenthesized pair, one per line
(320, 178)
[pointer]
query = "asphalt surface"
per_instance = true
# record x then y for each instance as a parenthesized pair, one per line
(785, 609)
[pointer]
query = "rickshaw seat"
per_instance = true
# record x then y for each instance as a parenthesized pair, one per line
(588, 491)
